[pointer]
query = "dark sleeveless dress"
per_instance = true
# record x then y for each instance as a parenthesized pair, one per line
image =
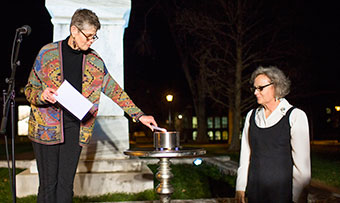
(270, 173)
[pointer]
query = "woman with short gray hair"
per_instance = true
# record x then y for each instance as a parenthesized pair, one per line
(275, 151)
(57, 135)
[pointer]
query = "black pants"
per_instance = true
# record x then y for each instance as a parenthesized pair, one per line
(57, 166)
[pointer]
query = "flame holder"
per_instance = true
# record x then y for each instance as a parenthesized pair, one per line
(166, 141)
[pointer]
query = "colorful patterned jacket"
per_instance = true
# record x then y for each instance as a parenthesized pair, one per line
(45, 122)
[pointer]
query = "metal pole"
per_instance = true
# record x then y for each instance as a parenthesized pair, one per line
(164, 175)
(170, 116)
(13, 153)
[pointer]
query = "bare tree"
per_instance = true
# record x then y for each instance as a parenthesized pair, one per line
(220, 43)
(194, 72)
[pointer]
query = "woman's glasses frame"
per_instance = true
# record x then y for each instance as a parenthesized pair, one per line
(88, 38)
(260, 88)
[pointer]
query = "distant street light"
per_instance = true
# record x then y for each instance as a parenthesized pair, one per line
(337, 108)
(169, 98)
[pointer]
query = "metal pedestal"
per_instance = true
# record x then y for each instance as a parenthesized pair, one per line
(164, 175)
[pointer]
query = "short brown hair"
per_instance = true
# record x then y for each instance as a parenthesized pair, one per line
(85, 16)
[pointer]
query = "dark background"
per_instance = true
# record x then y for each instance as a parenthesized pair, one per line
(148, 78)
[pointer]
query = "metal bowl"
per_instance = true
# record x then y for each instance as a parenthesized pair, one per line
(166, 140)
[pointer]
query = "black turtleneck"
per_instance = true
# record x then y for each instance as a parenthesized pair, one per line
(72, 65)
(72, 70)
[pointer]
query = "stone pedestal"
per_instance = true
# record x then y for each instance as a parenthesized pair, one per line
(103, 168)
(109, 140)
(95, 178)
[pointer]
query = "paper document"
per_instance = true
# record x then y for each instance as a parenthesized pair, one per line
(158, 128)
(72, 100)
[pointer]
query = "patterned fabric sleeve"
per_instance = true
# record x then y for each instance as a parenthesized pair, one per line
(33, 89)
(113, 90)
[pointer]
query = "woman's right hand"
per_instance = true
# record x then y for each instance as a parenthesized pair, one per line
(48, 95)
(240, 197)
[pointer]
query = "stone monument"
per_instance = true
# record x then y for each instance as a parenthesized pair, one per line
(103, 168)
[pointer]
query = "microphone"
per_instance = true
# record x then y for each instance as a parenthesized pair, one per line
(24, 30)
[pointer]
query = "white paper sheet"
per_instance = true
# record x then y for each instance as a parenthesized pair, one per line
(72, 100)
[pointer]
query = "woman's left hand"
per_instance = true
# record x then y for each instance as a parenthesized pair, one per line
(148, 121)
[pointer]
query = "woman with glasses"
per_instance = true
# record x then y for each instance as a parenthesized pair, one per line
(275, 152)
(58, 136)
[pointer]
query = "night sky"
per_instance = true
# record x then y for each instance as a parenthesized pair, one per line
(317, 28)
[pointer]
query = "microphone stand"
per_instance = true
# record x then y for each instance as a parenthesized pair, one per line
(9, 105)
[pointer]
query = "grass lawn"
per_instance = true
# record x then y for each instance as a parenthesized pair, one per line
(326, 167)
(191, 182)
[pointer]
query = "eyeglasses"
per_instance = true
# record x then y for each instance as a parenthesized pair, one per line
(88, 38)
(260, 88)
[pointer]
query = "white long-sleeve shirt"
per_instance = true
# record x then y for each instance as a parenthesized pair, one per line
(299, 142)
